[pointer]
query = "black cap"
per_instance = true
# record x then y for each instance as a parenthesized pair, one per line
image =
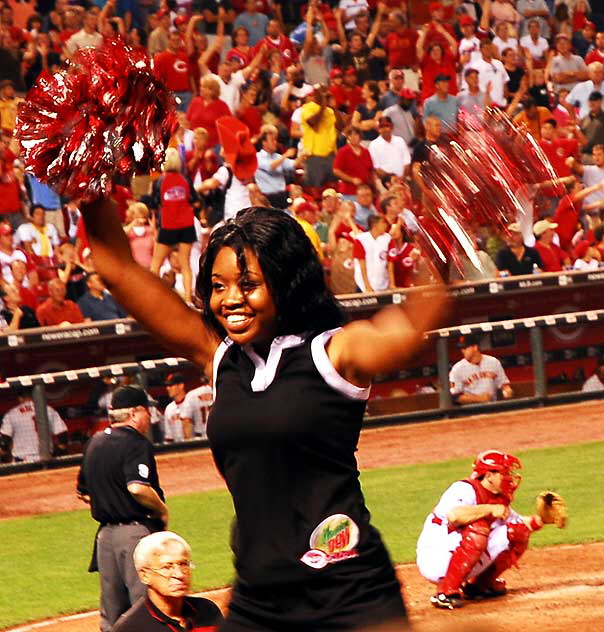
(129, 397)
(174, 378)
(468, 340)
(442, 77)
(595, 95)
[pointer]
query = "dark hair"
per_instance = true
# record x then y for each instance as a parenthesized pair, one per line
(551, 121)
(290, 266)
(372, 220)
(598, 233)
(386, 202)
(374, 89)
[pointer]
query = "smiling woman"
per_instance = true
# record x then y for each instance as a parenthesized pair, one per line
(291, 387)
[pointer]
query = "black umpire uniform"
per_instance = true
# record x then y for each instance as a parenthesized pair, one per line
(119, 479)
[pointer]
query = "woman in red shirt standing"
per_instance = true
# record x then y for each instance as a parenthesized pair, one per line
(174, 194)
(437, 61)
(353, 165)
(206, 108)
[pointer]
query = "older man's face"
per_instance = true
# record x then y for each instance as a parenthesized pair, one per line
(169, 572)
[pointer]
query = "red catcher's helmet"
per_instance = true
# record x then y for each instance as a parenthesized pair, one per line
(495, 461)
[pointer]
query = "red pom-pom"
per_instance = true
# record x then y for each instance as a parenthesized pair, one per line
(105, 114)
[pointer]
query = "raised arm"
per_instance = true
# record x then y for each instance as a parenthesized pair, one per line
(191, 26)
(141, 292)
(382, 344)
(375, 28)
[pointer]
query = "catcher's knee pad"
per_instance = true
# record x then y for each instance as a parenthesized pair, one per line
(474, 539)
(518, 537)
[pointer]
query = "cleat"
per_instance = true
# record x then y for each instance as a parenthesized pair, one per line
(446, 602)
(497, 589)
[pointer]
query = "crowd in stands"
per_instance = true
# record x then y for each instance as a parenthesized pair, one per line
(339, 101)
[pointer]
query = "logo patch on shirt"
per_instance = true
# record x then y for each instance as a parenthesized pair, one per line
(143, 470)
(333, 540)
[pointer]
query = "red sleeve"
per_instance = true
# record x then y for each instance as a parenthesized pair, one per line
(358, 252)
(340, 159)
(368, 159)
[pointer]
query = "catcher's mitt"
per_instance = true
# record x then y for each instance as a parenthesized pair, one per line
(551, 508)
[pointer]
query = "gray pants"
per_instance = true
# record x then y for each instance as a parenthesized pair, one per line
(120, 584)
(318, 170)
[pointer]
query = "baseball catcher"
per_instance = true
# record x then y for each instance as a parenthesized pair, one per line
(473, 535)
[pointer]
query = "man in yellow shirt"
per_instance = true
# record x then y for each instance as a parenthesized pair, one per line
(305, 214)
(532, 116)
(8, 106)
(318, 139)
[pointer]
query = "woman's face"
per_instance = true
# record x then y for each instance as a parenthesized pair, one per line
(242, 38)
(243, 305)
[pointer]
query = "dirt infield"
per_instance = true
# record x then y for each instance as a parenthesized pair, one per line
(554, 589)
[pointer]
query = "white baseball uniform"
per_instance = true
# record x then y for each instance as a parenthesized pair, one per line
(19, 423)
(201, 401)
(173, 417)
(485, 377)
(438, 540)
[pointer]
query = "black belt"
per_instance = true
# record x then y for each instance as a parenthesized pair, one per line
(120, 524)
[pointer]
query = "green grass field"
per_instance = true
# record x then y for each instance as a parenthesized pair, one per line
(43, 560)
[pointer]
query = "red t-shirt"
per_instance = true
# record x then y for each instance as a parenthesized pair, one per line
(49, 314)
(283, 45)
(174, 70)
(252, 118)
(403, 264)
(354, 165)
(430, 69)
(594, 55)
(203, 113)
(557, 151)
(344, 231)
(401, 48)
(566, 216)
(174, 193)
(552, 257)
(348, 97)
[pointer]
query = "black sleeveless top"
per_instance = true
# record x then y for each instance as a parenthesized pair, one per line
(283, 435)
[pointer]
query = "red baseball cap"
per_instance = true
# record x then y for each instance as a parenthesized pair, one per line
(406, 93)
(335, 72)
(181, 19)
(351, 70)
(436, 6)
(466, 20)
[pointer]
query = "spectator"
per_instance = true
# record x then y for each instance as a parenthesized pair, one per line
(363, 205)
(11, 207)
(353, 165)
(9, 102)
(479, 267)
(163, 563)
(569, 209)
(97, 303)
(71, 271)
(159, 36)
(403, 116)
(254, 22)
(348, 94)
(437, 31)
(553, 257)
(531, 11)
(389, 153)
(579, 95)
(178, 414)
(293, 88)
(557, 147)
(504, 11)
(596, 381)
(205, 109)
(15, 313)
(491, 74)
(436, 61)
(403, 256)
(421, 153)
(477, 377)
(56, 309)
(532, 117)
(341, 238)
(19, 430)
(305, 214)
(396, 81)
(273, 169)
(584, 40)
(597, 54)
(441, 104)
(401, 47)
(240, 164)
(141, 234)
(516, 73)
(592, 174)
(539, 88)
(472, 100)
(276, 40)
(503, 40)
(36, 236)
(469, 45)
(567, 69)
(87, 37)
(587, 257)
(318, 139)
(370, 253)
(248, 112)
(172, 67)
(516, 258)
(367, 114)
(592, 126)
(8, 253)
(42, 195)
(174, 195)
(29, 296)
(316, 54)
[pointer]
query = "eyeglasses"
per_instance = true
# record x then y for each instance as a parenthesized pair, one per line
(168, 570)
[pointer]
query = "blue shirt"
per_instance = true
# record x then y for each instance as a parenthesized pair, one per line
(271, 180)
(443, 109)
(362, 214)
(255, 23)
(100, 308)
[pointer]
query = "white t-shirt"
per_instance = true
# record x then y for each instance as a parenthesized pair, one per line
(229, 92)
(375, 253)
(391, 156)
(351, 8)
(485, 377)
(493, 73)
(536, 49)
(592, 174)
(28, 232)
(20, 424)
(6, 261)
(237, 196)
(501, 45)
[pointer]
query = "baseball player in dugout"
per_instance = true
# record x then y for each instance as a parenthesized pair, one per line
(163, 562)
(473, 535)
(477, 377)
(119, 479)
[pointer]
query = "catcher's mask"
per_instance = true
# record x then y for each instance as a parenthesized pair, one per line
(495, 461)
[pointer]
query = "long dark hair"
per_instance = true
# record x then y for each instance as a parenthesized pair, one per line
(290, 266)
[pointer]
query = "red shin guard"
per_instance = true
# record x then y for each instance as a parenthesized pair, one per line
(466, 555)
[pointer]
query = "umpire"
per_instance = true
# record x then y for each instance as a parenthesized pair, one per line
(119, 479)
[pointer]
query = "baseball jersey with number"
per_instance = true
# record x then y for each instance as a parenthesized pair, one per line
(173, 419)
(200, 400)
(485, 377)
(19, 423)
